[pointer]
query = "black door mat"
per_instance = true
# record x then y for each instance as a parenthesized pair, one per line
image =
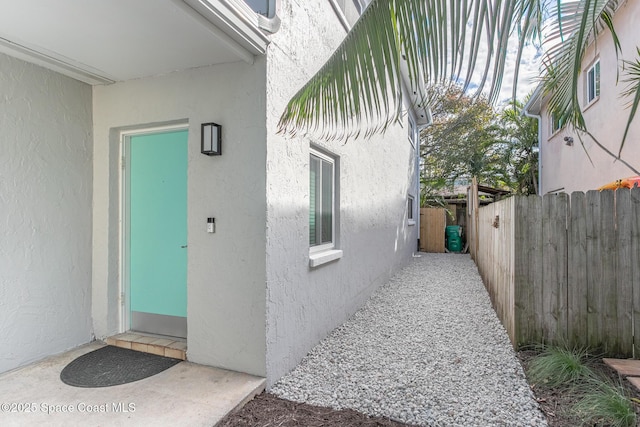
(109, 366)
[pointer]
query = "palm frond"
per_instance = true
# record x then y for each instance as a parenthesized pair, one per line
(576, 25)
(633, 91)
(360, 88)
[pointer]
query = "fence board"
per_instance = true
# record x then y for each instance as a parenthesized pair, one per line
(595, 313)
(577, 272)
(535, 257)
(560, 234)
(528, 269)
(624, 272)
(635, 262)
(432, 227)
(523, 288)
(608, 255)
(554, 279)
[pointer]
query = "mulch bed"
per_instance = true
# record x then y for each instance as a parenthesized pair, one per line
(269, 410)
(556, 404)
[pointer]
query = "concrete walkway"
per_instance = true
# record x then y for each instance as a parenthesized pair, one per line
(184, 395)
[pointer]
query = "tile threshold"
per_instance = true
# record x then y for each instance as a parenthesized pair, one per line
(149, 343)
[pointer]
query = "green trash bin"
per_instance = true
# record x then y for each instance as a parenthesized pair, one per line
(453, 238)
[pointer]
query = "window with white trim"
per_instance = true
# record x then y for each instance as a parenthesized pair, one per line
(556, 123)
(322, 201)
(411, 202)
(593, 82)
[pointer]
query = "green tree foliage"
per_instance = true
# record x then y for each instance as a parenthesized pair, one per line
(520, 133)
(468, 138)
(359, 89)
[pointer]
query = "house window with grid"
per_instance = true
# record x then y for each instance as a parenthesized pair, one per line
(593, 82)
(322, 201)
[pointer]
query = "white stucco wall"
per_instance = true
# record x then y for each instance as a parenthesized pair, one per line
(45, 225)
(568, 167)
(226, 270)
(304, 304)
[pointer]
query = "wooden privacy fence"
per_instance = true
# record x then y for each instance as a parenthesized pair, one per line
(564, 270)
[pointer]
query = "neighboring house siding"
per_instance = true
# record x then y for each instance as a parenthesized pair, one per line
(45, 200)
(226, 270)
(568, 167)
(374, 178)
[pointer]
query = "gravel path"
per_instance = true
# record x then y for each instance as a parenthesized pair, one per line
(426, 349)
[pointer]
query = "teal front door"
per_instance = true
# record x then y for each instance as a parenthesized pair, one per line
(157, 200)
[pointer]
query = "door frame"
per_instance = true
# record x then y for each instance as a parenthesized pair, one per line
(124, 232)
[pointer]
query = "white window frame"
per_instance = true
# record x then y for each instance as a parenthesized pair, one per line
(411, 209)
(552, 123)
(323, 253)
(592, 84)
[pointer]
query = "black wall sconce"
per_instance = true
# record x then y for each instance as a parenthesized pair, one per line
(211, 139)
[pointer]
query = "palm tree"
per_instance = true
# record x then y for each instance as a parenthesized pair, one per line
(359, 89)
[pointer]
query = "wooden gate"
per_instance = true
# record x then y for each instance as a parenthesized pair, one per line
(432, 226)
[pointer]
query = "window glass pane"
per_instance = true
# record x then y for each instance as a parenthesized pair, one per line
(593, 82)
(597, 78)
(410, 207)
(321, 200)
(314, 182)
(327, 202)
(556, 123)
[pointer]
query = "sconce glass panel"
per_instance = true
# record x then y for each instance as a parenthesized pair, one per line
(211, 139)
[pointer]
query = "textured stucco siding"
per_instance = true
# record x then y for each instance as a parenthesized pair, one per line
(226, 270)
(375, 177)
(45, 205)
(568, 167)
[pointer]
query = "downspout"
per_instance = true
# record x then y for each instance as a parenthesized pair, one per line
(417, 172)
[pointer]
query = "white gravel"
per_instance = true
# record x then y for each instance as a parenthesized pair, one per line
(426, 349)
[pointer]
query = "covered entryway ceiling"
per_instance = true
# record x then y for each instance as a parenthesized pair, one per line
(103, 41)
